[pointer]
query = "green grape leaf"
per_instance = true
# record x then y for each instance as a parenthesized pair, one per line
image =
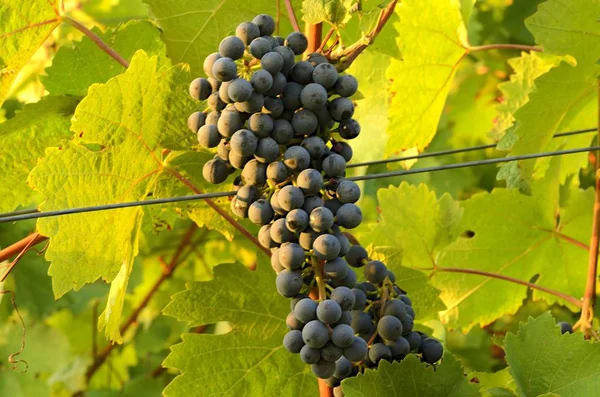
(496, 384)
(428, 223)
(565, 29)
(410, 377)
(334, 12)
(121, 127)
(25, 137)
(71, 72)
(111, 12)
(193, 29)
(433, 42)
(544, 362)
(250, 359)
(519, 236)
(22, 33)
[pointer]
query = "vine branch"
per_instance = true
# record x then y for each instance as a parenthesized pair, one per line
(574, 301)
(96, 39)
(292, 15)
(19, 246)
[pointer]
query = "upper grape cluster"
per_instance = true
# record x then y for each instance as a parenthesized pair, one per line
(284, 123)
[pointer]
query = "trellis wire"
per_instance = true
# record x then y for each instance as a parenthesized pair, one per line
(194, 197)
(455, 151)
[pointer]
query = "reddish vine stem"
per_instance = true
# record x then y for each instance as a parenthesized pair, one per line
(326, 39)
(574, 301)
(178, 257)
(292, 15)
(16, 248)
(504, 47)
(589, 297)
(99, 42)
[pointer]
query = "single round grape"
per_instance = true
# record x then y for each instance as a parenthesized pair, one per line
(431, 350)
(316, 58)
(277, 172)
(260, 124)
(223, 150)
(294, 301)
(413, 339)
(247, 32)
(291, 256)
(243, 142)
(289, 283)
(200, 89)
(344, 297)
(272, 62)
(331, 352)
(273, 41)
(214, 84)
(347, 192)
(213, 117)
(259, 47)
(333, 205)
(264, 237)
(361, 322)
(240, 90)
(334, 166)
(296, 158)
(293, 323)
(247, 194)
(349, 129)
(196, 121)
(224, 69)
(232, 47)
(329, 311)
(349, 216)
(261, 212)
(407, 323)
(342, 335)
(215, 103)
(396, 308)
(238, 208)
(410, 311)
(209, 62)
(261, 81)
(229, 123)
(265, 23)
(305, 122)
(307, 239)
(267, 150)
(325, 75)
(297, 220)
(360, 299)
(275, 204)
(321, 220)
(273, 107)
(275, 262)
(302, 72)
(326, 247)
(280, 233)
(283, 132)
(344, 150)
(310, 181)
(391, 276)
(565, 327)
(315, 146)
(344, 242)
(253, 105)
(315, 334)
(336, 269)
(357, 351)
(348, 281)
(254, 173)
(389, 328)
(399, 347)
(279, 82)
(357, 256)
(289, 58)
(293, 342)
(291, 95)
(341, 109)
(238, 162)
(306, 310)
(215, 171)
(346, 85)
(314, 96)
(312, 202)
(297, 42)
(404, 298)
(290, 198)
(224, 92)
(375, 272)
(323, 369)
(310, 355)
(343, 368)
(379, 352)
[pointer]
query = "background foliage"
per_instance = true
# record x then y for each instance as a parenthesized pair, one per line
(172, 284)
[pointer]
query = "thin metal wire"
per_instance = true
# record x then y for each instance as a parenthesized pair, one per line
(455, 151)
(232, 193)
(471, 164)
(21, 212)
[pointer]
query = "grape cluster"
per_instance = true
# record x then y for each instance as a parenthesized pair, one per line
(283, 122)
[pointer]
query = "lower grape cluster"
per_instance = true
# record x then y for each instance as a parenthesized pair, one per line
(284, 123)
